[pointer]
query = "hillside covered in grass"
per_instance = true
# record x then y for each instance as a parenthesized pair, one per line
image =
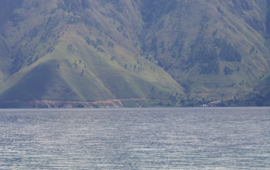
(70, 50)
(94, 50)
(215, 49)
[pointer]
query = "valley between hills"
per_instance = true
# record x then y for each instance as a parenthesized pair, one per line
(134, 53)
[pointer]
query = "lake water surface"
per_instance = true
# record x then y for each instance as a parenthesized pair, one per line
(179, 138)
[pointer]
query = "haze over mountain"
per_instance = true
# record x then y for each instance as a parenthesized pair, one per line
(89, 50)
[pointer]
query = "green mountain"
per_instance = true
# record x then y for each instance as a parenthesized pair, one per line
(72, 50)
(90, 50)
(215, 49)
(4, 60)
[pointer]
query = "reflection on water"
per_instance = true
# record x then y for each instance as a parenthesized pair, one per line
(182, 138)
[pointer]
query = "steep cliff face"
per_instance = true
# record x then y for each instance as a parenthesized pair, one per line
(123, 48)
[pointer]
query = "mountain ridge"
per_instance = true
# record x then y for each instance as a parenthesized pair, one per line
(155, 49)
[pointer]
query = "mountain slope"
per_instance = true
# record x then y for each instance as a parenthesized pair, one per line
(70, 50)
(88, 50)
(213, 48)
(4, 60)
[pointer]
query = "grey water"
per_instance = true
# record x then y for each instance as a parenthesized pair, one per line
(179, 138)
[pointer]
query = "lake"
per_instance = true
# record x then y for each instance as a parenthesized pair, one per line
(173, 138)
